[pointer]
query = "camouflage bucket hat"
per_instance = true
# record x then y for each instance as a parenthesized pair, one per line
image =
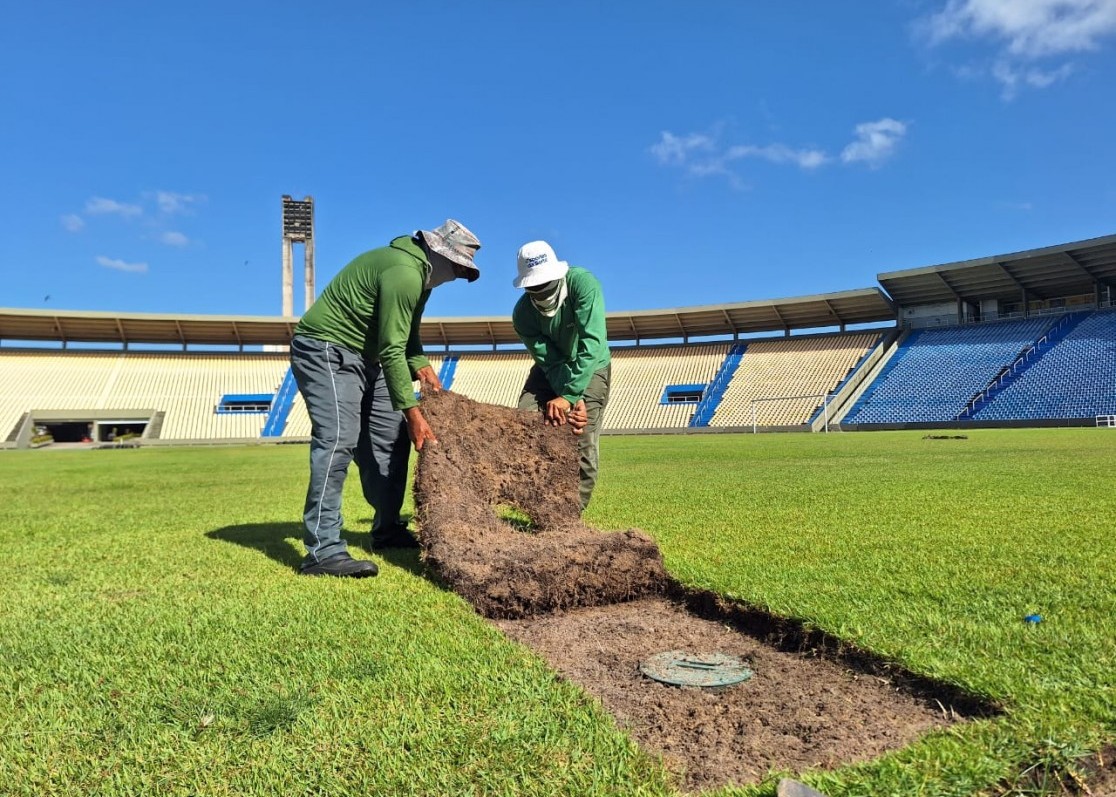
(454, 241)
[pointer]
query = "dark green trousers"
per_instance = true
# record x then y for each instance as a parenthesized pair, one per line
(537, 392)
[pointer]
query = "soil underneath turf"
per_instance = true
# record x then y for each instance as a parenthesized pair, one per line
(796, 712)
(1101, 773)
(595, 605)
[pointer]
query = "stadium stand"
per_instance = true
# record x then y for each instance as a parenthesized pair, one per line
(281, 406)
(42, 380)
(298, 419)
(640, 375)
(936, 371)
(187, 387)
(492, 377)
(1007, 339)
(1050, 337)
(715, 391)
(807, 366)
(448, 370)
(1072, 379)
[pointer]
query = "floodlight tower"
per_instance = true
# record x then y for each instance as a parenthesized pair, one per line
(298, 226)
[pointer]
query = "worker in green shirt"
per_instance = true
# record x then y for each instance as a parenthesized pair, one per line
(355, 355)
(561, 320)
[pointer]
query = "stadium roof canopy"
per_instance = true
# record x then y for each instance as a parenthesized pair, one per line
(1071, 269)
(869, 305)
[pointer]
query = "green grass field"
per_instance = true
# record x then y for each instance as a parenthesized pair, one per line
(156, 640)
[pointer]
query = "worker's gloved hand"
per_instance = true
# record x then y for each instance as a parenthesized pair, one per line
(578, 417)
(556, 411)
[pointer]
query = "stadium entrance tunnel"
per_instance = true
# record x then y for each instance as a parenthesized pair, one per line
(91, 427)
(596, 606)
(69, 431)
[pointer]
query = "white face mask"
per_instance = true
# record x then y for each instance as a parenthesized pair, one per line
(441, 270)
(548, 301)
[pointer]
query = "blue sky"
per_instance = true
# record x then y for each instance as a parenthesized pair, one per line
(686, 152)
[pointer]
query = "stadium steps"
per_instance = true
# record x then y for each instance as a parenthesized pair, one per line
(154, 426)
(448, 371)
(819, 419)
(1051, 337)
(716, 390)
(885, 370)
(845, 398)
(280, 407)
(13, 435)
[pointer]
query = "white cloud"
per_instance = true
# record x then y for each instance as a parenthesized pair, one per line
(1013, 77)
(700, 154)
(120, 265)
(675, 150)
(72, 222)
(99, 206)
(780, 153)
(173, 238)
(170, 202)
(1025, 31)
(875, 142)
(1029, 28)
(1041, 78)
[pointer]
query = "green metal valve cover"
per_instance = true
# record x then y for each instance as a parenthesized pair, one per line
(706, 670)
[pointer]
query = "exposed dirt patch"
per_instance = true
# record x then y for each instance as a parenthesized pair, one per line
(798, 711)
(595, 605)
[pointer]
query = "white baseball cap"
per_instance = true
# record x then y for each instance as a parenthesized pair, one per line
(538, 264)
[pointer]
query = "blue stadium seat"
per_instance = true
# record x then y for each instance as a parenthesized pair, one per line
(1074, 379)
(936, 371)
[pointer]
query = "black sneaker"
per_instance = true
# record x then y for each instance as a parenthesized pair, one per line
(395, 537)
(341, 565)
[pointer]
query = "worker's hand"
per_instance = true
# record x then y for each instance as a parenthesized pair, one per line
(578, 417)
(556, 411)
(428, 378)
(418, 428)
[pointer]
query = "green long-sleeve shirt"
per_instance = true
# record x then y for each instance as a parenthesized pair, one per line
(374, 306)
(573, 345)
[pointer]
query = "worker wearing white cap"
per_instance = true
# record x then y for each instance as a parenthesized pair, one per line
(561, 320)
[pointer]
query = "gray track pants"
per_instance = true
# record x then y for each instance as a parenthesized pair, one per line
(351, 418)
(537, 392)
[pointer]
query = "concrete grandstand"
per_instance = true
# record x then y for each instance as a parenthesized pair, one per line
(1025, 339)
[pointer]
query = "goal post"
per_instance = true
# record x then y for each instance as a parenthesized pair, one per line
(825, 397)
